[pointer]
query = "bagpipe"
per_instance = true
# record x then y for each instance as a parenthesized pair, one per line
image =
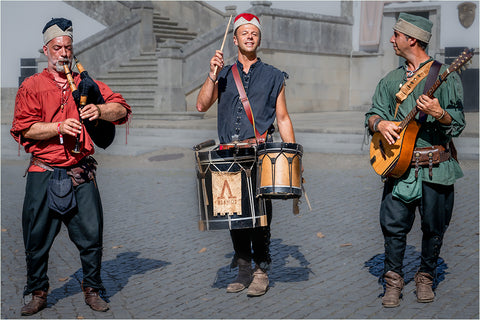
(101, 131)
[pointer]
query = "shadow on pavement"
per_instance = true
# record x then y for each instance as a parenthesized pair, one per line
(115, 275)
(279, 271)
(411, 263)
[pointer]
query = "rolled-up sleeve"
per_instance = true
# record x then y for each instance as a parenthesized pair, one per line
(28, 111)
(450, 97)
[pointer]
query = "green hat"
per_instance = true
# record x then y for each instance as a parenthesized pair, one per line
(414, 26)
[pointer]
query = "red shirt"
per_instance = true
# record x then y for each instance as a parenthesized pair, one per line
(41, 99)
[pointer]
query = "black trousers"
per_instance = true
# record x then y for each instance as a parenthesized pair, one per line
(254, 243)
(41, 226)
(397, 217)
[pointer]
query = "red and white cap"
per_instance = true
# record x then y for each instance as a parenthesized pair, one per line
(246, 18)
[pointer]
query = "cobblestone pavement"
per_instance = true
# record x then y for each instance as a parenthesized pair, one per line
(157, 264)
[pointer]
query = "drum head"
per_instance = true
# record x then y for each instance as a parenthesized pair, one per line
(279, 146)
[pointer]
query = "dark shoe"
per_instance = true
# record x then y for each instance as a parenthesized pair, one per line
(244, 277)
(38, 302)
(92, 298)
(393, 289)
(424, 282)
(259, 285)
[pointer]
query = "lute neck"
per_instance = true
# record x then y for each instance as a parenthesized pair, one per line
(429, 93)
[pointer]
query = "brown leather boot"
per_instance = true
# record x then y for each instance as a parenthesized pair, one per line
(92, 298)
(244, 277)
(424, 282)
(393, 289)
(259, 285)
(38, 302)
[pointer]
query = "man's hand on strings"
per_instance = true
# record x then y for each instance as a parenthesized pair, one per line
(389, 130)
(429, 106)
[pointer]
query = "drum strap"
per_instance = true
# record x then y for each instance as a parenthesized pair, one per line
(246, 104)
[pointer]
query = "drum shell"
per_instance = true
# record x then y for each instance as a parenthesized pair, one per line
(241, 160)
(279, 170)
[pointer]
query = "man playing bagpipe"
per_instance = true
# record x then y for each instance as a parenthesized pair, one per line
(61, 185)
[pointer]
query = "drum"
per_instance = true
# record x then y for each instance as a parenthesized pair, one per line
(279, 170)
(226, 185)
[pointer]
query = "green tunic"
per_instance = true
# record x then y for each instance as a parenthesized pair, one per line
(432, 132)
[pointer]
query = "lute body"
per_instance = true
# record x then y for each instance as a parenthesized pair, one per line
(393, 160)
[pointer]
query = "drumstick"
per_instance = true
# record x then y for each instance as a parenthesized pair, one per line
(204, 144)
(305, 193)
(223, 42)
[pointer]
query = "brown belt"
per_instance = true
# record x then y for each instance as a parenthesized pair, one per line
(247, 143)
(429, 156)
(81, 172)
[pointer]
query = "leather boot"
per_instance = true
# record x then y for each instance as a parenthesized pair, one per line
(244, 277)
(92, 298)
(424, 282)
(38, 302)
(259, 285)
(393, 289)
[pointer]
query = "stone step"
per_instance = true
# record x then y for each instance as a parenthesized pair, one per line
(121, 87)
(172, 28)
(140, 63)
(167, 33)
(118, 78)
(164, 32)
(137, 95)
(134, 71)
(180, 39)
(151, 70)
(152, 115)
(139, 107)
(141, 91)
(140, 103)
(144, 59)
(164, 22)
(157, 16)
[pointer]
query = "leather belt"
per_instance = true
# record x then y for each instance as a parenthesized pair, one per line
(429, 156)
(247, 143)
(81, 172)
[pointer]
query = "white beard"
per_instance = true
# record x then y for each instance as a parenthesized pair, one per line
(59, 66)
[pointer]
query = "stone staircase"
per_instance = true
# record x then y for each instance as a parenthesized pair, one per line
(164, 29)
(137, 79)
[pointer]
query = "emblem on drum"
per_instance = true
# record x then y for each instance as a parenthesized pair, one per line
(227, 193)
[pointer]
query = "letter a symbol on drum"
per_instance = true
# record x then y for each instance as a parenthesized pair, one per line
(226, 187)
(227, 193)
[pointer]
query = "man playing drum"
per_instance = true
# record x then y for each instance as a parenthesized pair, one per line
(265, 88)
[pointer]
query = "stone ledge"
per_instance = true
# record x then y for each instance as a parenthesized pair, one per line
(173, 116)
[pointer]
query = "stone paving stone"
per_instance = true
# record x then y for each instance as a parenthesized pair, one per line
(153, 266)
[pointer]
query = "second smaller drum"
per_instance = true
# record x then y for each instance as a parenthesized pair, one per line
(279, 170)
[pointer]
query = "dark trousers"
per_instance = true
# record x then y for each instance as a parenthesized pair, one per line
(254, 243)
(397, 217)
(41, 226)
